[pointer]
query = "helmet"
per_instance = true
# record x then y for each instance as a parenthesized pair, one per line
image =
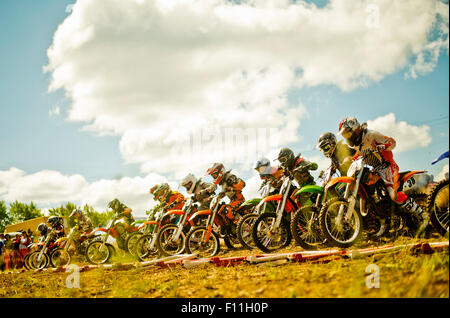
(55, 221)
(153, 189)
(43, 228)
(189, 183)
(162, 191)
(350, 129)
(327, 143)
(286, 157)
(216, 171)
(263, 166)
(76, 213)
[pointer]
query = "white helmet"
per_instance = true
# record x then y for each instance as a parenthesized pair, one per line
(189, 183)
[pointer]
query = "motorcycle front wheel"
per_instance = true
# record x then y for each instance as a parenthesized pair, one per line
(143, 250)
(244, 230)
(98, 252)
(131, 242)
(60, 257)
(35, 263)
(438, 206)
(266, 238)
(196, 244)
(165, 242)
(343, 233)
(305, 228)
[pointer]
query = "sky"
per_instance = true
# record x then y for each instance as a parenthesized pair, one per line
(103, 99)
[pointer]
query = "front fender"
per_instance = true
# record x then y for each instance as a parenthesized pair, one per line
(202, 212)
(275, 197)
(252, 202)
(310, 189)
(334, 181)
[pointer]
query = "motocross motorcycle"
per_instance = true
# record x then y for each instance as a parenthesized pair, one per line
(437, 202)
(40, 257)
(204, 240)
(305, 225)
(100, 251)
(144, 227)
(271, 230)
(69, 246)
(257, 206)
(171, 238)
(342, 222)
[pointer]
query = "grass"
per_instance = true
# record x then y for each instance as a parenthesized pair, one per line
(402, 274)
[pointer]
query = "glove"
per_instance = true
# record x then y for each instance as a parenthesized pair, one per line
(380, 148)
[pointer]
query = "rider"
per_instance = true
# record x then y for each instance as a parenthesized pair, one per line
(339, 153)
(268, 173)
(298, 168)
(170, 200)
(203, 191)
(376, 150)
(84, 223)
(231, 186)
(56, 224)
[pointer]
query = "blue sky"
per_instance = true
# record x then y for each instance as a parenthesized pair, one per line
(35, 140)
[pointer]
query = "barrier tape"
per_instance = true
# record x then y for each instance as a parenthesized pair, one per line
(190, 260)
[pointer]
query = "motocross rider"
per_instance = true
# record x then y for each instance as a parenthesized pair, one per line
(231, 186)
(376, 150)
(298, 168)
(267, 173)
(202, 191)
(170, 200)
(84, 223)
(56, 224)
(339, 153)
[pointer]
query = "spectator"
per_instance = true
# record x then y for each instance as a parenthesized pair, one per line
(8, 252)
(23, 246)
(16, 255)
(2, 245)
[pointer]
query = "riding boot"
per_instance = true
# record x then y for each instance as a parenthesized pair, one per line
(420, 216)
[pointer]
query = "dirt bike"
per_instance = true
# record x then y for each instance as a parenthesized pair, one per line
(342, 222)
(68, 246)
(100, 251)
(40, 258)
(144, 227)
(145, 246)
(257, 206)
(205, 239)
(438, 202)
(171, 238)
(271, 230)
(305, 225)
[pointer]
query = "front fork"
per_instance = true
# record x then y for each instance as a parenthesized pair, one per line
(280, 209)
(352, 201)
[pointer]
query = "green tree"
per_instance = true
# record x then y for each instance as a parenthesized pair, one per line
(5, 218)
(98, 219)
(20, 212)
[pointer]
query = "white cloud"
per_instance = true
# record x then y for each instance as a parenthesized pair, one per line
(51, 188)
(153, 72)
(407, 136)
(443, 174)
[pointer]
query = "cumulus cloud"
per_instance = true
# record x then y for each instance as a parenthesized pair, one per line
(443, 174)
(407, 136)
(158, 73)
(51, 188)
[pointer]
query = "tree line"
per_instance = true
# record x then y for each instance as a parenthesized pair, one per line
(18, 212)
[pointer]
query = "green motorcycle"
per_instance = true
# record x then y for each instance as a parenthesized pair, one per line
(305, 226)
